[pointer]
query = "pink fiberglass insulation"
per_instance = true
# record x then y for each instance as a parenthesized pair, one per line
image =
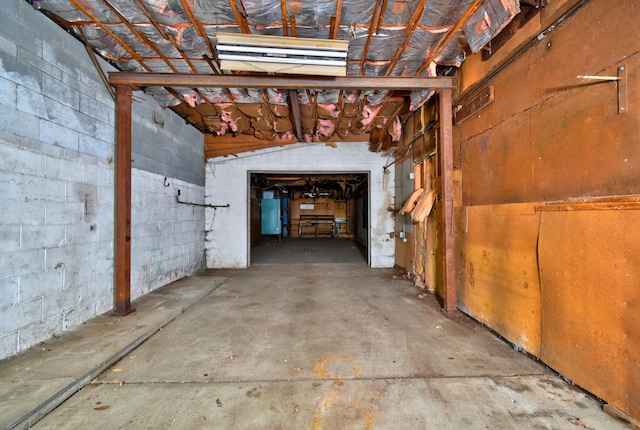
(326, 127)
(369, 114)
(396, 130)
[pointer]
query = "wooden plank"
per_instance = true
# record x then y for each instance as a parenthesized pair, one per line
(281, 42)
(122, 236)
(298, 69)
(215, 146)
(594, 203)
(589, 276)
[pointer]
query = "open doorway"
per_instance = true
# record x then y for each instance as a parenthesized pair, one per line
(309, 217)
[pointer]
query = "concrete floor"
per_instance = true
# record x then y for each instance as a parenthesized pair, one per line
(308, 338)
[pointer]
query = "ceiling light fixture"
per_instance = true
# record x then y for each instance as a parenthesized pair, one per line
(276, 54)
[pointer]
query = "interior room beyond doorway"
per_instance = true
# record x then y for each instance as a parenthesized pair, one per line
(320, 209)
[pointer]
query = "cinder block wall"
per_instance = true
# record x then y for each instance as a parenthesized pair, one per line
(227, 243)
(56, 173)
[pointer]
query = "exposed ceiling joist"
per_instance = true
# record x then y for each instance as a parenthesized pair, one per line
(390, 45)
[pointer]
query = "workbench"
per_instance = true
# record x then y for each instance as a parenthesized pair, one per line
(316, 226)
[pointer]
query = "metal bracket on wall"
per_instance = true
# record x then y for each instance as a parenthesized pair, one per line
(622, 88)
(473, 106)
(201, 205)
(621, 80)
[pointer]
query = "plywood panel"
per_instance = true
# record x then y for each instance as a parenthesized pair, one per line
(498, 273)
(590, 276)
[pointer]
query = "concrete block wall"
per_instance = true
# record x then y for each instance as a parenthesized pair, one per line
(167, 237)
(56, 255)
(56, 173)
(155, 146)
(227, 235)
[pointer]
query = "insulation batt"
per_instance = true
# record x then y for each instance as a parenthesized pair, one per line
(326, 127)
(233, 118)
(288, 136)
(226, 117)
(191, 100)
(411, 201)
(314, 21)
(369, 114)
(328, 110)
(395, 130)
(423, 207)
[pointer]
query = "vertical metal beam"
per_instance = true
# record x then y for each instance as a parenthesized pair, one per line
(446, 181)
(122, 239)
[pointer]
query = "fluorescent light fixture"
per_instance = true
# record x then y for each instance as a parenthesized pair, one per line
(276, 54)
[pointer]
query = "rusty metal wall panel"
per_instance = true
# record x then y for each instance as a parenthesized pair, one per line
(498, 273)
(496, 165)
(582, 146)
(590, 276)
(549, 135)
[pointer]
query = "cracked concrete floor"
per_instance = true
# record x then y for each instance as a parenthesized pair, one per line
(324, 346)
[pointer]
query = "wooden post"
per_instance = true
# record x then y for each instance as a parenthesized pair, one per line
(417, 177)
(446, 181)
(122, 238)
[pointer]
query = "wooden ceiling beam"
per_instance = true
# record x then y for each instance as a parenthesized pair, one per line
(201, 32)
(283, 8)
(241, 139)
(144, 39)
(381, 19)
(336, 21)
(411, 28)
(372, 27)
(449, 36)
(167, 36)
(282, 83)
(104, 28)
(242, 21)
(229, 140)
(295, 111)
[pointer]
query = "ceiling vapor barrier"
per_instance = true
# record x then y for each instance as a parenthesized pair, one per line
(386, 38)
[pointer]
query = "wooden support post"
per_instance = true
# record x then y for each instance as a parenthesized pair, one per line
(122, 239)
(295, 109)
(446, 172)
(417, 177)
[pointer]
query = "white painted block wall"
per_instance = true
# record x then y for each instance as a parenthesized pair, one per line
(167, 238)
(56, 175)
(227, 182)
(56, 230)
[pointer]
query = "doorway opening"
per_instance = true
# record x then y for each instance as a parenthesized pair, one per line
(293, 216)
